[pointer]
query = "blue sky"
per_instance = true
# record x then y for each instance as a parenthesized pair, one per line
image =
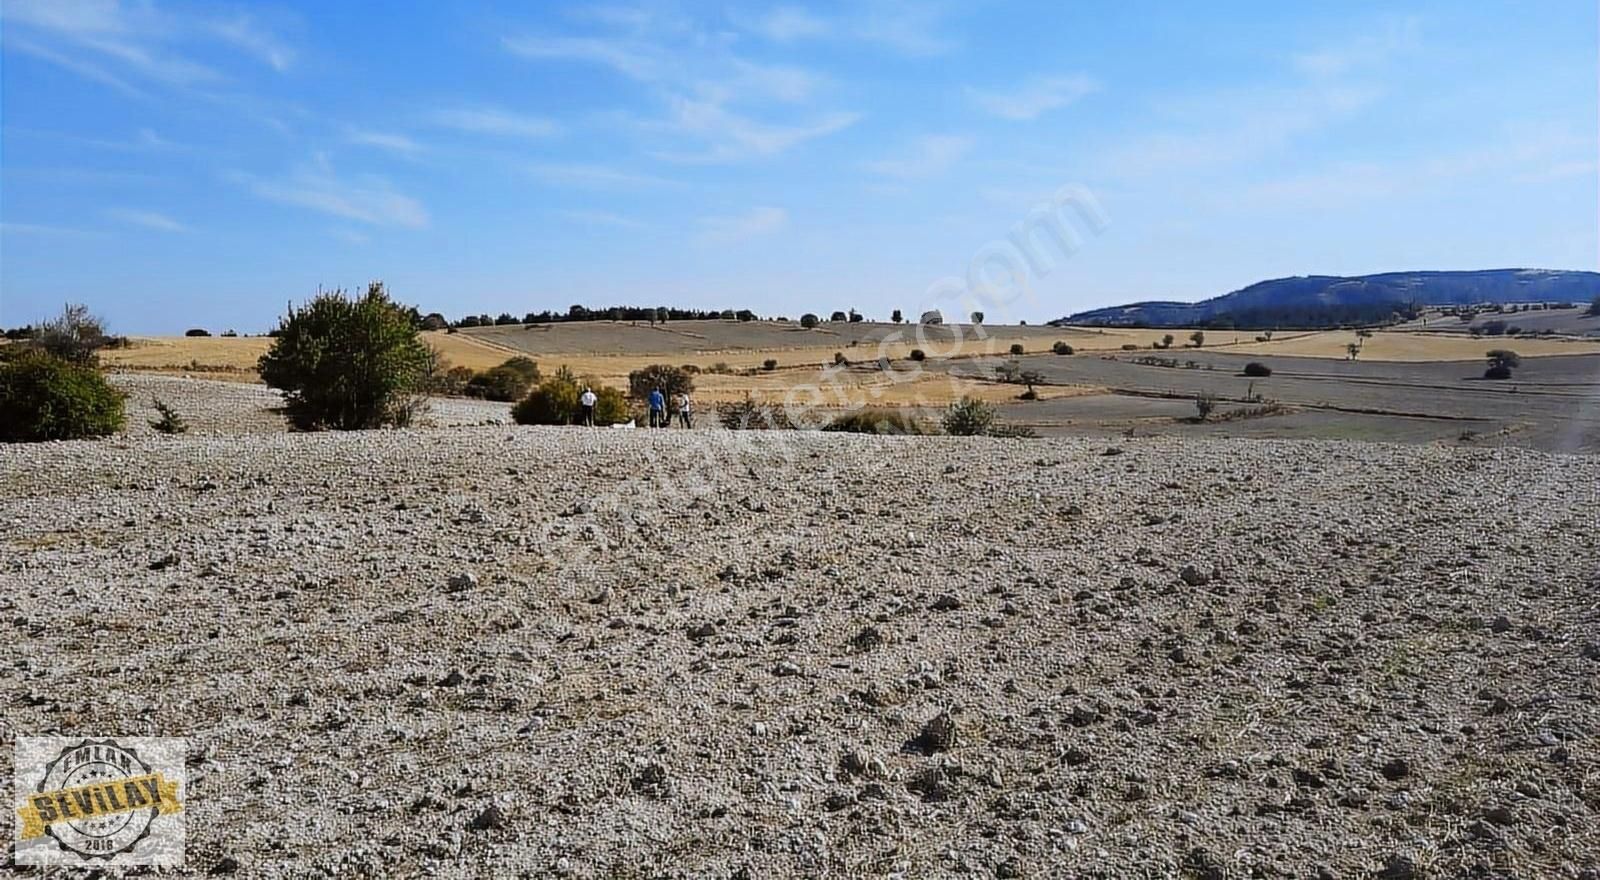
(201, 164)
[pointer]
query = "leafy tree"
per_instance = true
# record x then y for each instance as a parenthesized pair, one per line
(74, 336)
(1166, 341)
(745, 315)
(505, 318)
(671, 380)
(977, 317)
(769, 364)
(1494, 328)
(809, 320)
(1257, 370)
(347, 363)
(855, 317)
(1198, 337)
(839, 317)
(876, 421)
(43, 397)
(896, 317)
(197, 331)
(1594, 308)
(1061, 348)
(1016, 348)
(1353, 349)
(1501, 362)
(1204, 403)
(918, 354)
(435, 321)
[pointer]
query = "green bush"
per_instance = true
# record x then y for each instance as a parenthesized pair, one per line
(507, 382)
(197, 331)
(43, 397)
(968, 417)
(347, 363)
(1257, 369)
(1016, 348)
(809, 320)
(1061, 348)
(671, 380)
(769, 364)
(876, 421)
(554, 401)
(918, 355)
(1497, 372)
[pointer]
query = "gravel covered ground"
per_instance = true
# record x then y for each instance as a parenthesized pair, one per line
(520, 651)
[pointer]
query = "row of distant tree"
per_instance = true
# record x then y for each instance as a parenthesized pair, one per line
(652, 315)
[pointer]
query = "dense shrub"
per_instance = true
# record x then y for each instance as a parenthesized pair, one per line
(968, 417)
(839, 317)
(769, 364)
(1494, 328)
(43, 397)
(933, 316)
(554, 401)
(1205, 403)
(751, 415)
(1061, 348)
(74, 337)
(839, 360)
(1501, 362)
(197, 331)
(671, 380)
(809, 320)
(896, 317)
(1017, 348)
(1197, 338)
(876, 421)
(1129, 346)
(347, 363)
(506, 382)
(918, 354)
(1497, 372)
(977, 317)
(1257, 369)
(1594, 308)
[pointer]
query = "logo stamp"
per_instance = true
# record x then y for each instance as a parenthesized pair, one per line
(99, 802)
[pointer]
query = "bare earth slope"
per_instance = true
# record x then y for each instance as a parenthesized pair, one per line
(715, 654)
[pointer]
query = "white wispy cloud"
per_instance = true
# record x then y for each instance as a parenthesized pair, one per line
(1035, 97)
(908, 27)
(1361, 52)
(735, 228)
(594, 176)
(45, 229)
(367, 198)
(602, 218)
(627, 58)
(147, 219)
(495, 121)
(785, 24)
(383, 140)
(731, 136)
(927, 156)
(720, 103)
(110, 42)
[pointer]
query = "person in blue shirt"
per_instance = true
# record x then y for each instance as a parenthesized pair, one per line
(658, 409)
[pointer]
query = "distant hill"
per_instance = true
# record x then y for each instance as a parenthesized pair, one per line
(1329, 300)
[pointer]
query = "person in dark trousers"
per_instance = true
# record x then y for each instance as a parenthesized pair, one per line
(685, 416)
(658, 409)
(586, 400)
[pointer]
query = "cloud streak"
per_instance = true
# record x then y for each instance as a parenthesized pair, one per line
(1034, 98)
(146, 219)
(367, 199)
(496, 121)
(733, 229)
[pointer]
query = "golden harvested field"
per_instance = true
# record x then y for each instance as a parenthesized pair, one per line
(608, 351)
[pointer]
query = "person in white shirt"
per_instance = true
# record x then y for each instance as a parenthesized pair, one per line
(684, 413)
(586, 400)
